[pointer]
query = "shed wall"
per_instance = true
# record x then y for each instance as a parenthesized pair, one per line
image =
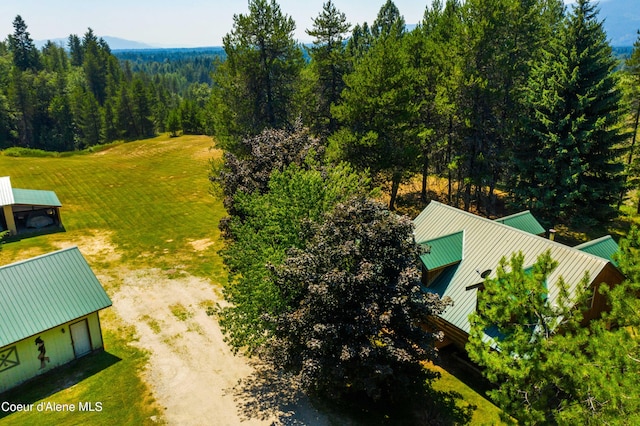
(59, 350)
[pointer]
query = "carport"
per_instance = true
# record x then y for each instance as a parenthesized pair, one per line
(27, 209)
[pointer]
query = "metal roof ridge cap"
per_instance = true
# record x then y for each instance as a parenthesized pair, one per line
(511, 216)
(20, 262)
(443, 236)
(519, 231)
(593, 242)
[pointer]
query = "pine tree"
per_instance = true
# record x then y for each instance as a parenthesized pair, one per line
(329, 64)
(569, 166)
(378, 115)
(255, 85)
(631, 85)
(25, 54)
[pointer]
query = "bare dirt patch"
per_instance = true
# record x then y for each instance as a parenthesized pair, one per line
(194, 375)
(96, 248)
(202, 245)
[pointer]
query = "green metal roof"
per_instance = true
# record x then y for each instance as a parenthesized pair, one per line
(603, 247)
(443, 251)
(35, 197)
(485, 243)
(46, 291)
(523, 221)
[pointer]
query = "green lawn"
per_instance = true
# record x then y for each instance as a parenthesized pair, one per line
(150, 201)
(150, 198)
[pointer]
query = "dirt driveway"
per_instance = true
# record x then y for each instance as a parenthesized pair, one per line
(191, 370)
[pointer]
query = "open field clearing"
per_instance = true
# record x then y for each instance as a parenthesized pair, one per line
(142, 215)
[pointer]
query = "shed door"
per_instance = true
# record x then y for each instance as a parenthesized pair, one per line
(80, 338)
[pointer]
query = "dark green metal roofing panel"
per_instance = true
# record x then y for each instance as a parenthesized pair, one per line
(443, 251)
(36, 197)
(523, 221)
(603, 247)
(46, 291)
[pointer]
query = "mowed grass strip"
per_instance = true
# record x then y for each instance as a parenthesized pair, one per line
(151, 196)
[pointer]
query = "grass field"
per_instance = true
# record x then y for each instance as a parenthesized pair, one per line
(143, 204)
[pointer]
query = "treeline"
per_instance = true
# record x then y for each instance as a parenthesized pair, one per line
(176, 69)
(502, 95)
(59, 99)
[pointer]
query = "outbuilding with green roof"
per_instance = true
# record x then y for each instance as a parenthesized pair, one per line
(48, 314)
(25, 209)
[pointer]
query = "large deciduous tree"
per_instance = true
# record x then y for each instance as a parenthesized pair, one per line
(352, 331)
(265, 227)
(254, 87)
(569, 162)
(271, 150)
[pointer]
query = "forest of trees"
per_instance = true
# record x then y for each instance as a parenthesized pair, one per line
(64, 98)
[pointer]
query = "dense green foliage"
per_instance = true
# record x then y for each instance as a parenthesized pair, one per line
(255, 86)
(323, 281)
(59, 100)
(328, 66)
(547, 368)
(514, 96)
(573, 138)
(352, 328)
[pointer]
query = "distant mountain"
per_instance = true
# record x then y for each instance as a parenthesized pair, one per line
(114, 43)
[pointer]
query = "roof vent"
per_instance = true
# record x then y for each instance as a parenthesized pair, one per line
(552, 234)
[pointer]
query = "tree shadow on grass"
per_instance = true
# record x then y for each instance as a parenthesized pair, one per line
(268, 394)
(58, 379)
(271, 395)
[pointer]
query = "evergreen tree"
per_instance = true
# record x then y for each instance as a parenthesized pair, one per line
(359, 42)
(75, 50)
(329, 64)
(631, 84)
(25, 54)
(255, 85)
(142, 109)
(94, 66)
(547, 365)
(389, 22)
(173, 123)
(378, 115)
(569, 166)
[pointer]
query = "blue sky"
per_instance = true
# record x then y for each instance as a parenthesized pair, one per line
(179, 23)
(184, 23)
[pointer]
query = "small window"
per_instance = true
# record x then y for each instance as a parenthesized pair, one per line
(9, 358)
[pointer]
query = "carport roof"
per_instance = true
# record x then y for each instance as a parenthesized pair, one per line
(10, 196)
(36, 197)
(46, 291)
